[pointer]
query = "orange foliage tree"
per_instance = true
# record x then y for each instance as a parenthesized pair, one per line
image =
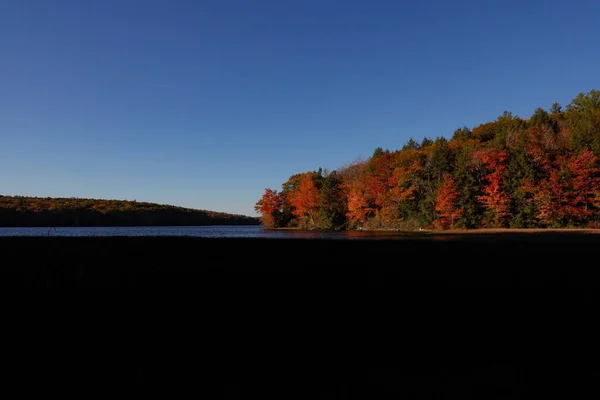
(402, 185)
(378, 186)
(446, 203)
(269, 206)
(305, 201)
(358, 197)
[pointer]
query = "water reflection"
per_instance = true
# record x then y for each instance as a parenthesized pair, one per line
(228, 231)
(308, 234)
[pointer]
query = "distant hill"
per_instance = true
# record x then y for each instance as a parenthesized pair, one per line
(48, 211)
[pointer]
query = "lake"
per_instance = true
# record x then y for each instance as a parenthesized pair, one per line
(259, 310)
(184, 306)
(221, 231)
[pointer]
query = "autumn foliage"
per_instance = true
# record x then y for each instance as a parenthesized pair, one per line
(446, 203)
(305, 200)
(74, 211)
(542, 171)
(494, 198)
(269, 206)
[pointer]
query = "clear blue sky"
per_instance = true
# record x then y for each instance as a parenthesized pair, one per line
(204, 104)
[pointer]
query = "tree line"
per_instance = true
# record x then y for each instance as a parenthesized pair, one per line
(536, 172)
(22, 211)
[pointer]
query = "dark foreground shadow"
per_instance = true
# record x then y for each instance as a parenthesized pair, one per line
(501, 316)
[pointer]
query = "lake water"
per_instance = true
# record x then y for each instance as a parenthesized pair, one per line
(231, 231)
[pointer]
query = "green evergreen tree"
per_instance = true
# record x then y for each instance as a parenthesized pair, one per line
(439, 161)
(462, 134)
(582, 117)
(520, 168)
(332, 203)
(468, 185)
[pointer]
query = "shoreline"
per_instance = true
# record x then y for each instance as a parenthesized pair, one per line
(462, 231)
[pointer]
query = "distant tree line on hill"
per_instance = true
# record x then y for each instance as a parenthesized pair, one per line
(20, 211)
(539, 172)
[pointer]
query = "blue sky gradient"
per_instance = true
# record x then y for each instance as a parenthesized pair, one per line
(204, 104)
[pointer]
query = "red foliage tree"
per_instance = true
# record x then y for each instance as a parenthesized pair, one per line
(568, 191)
(495, 198)
(585, 182)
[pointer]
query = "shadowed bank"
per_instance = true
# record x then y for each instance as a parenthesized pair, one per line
(240, 318)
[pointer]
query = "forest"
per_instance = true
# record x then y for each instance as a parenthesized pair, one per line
(21, 211)
(513, 172)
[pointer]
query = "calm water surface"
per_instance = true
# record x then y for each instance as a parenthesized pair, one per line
(233, 231)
